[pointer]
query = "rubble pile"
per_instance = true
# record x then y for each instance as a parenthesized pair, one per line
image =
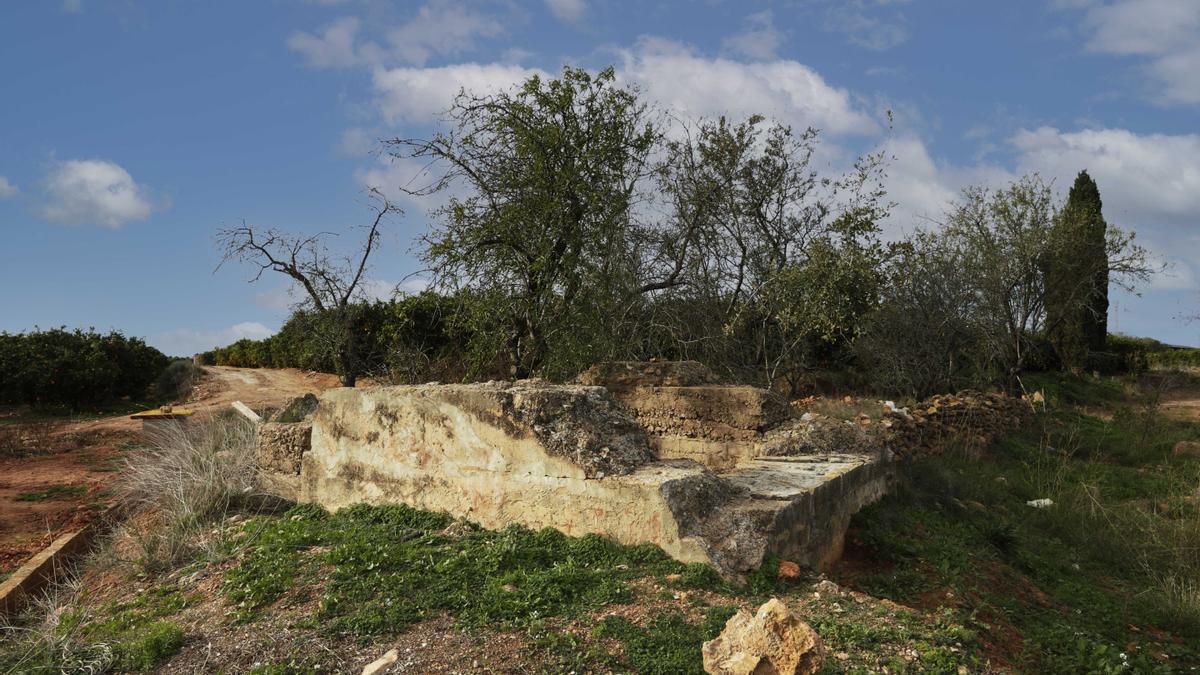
(969, 418)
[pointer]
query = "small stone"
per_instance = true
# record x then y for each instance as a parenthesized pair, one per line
(827, 587)
(381, 664)
(672, 578)
(788, 570)
(1186, 449)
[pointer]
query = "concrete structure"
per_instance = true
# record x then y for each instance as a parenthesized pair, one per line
(706, 472)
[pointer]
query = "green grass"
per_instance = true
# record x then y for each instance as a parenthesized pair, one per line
(50, 493)
(1070, 580)
(375, 570)
(24, 414)
(126, 637)
(391, 566)
(668, 643)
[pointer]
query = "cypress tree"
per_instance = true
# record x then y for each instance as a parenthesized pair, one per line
(1076, 276)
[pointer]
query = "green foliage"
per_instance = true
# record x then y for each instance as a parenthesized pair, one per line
(176, 380)
(152, 644)
(1175, 357)
(75, 368)
(1076, 271)
(541, 238)
(919, 339)
(393, 565)
(668, 643)
(413, 339)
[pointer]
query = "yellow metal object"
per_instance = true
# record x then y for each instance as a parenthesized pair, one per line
(164, 413)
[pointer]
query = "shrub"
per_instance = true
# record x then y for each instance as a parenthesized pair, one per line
(75, 368)
(176, 380)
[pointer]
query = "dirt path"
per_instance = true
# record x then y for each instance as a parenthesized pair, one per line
(50, 493)
(221, 386)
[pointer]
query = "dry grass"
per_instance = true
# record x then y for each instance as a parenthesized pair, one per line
(54, 636)
(187, 478)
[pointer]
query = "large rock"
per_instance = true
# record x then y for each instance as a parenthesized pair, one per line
(770, 641)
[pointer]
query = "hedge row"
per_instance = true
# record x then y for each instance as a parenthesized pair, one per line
(75, 367)
(415, 339)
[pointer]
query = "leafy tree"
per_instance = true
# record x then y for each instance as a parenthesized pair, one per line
(540, 240)
(774, 261)
(74, 367)
(919, 340)
(1007, 241)
(1077, 276)
(1004, 235)
(332, 285)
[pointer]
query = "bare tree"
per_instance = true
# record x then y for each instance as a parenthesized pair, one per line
(331, 284)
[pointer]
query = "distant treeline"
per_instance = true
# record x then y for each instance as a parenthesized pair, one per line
(412, 339)
(76, 368)
(427, 337)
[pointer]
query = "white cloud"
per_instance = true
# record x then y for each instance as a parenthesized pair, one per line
(72, 6)
(1179, 275)
(1165, 32)
(758, 39)
(670, 73)
(420, 94)
(917, 184)
(439, 28)
(1143, 178)
(676, 76)
(865, 29)
(7, 189)
(357, 141)
(333, 48)
(93, 191)
(571, 11)
(185, 341)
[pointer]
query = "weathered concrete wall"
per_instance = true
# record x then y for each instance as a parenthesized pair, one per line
(572, 458)
(539, 455)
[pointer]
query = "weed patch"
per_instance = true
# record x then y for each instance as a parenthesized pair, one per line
(52, 493)
(668, 643)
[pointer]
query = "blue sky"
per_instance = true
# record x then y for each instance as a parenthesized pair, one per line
(131, 130)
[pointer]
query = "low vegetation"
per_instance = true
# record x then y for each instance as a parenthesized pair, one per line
(53, 492)
(186, 478)
(1103, 578)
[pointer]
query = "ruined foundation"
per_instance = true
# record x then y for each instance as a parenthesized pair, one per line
(693, 468)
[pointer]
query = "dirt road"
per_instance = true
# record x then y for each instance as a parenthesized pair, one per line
(219, 387)
(50, 493)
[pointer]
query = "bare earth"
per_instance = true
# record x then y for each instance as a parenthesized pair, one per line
(87, 456)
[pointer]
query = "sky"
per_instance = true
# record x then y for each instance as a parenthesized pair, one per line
(132, 130)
